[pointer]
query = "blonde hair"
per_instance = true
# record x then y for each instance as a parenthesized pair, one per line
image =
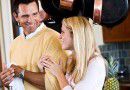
(84, 44)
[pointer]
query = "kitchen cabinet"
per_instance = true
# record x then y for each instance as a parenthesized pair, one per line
(125, 86)
(124, 81)
(119, 33)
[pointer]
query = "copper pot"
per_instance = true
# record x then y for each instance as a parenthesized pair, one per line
(66, 4)
(105, 12)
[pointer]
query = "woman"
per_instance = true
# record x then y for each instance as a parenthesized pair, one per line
(89, 71)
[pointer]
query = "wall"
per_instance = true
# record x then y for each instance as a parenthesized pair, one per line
(6, 29)
(120, 52)
(97, 32)
(6, 33)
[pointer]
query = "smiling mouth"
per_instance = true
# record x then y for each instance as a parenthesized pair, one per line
(28, 24)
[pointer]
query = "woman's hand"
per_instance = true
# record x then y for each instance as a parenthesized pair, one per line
(50, 65)
(56, 69)
(40, 64)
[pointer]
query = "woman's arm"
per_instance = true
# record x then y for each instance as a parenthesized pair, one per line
(95, 76)
(93, 80)
(62, 81)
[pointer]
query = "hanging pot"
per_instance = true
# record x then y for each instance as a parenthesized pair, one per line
(56, 10)
(104, 12)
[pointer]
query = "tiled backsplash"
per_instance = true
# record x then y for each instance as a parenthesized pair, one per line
(119, 51)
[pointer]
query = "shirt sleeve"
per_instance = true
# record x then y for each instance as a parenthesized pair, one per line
(94, 78)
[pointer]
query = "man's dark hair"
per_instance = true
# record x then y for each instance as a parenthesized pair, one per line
(15, 4)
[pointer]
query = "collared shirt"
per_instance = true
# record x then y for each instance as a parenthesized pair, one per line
(33, 33)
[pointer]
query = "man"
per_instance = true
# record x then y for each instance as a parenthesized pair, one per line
(26, 50)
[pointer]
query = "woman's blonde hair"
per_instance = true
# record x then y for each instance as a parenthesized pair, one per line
(84, 44)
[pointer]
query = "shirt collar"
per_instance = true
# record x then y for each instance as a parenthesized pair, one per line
(35, 32)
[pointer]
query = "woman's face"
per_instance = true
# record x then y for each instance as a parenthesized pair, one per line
(66, 38)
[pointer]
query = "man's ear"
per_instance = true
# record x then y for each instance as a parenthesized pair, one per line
(15, 16)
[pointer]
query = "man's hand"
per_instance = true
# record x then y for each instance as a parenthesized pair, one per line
(17, 69)
(7, 76)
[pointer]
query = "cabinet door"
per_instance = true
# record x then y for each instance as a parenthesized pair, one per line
(124, 87)
(119, 33)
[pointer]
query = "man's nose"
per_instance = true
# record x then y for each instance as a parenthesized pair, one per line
(30, 19)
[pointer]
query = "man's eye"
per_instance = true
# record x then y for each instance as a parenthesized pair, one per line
(25, 16)
(35, 13)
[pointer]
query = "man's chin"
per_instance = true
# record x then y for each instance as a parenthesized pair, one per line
(32, 29)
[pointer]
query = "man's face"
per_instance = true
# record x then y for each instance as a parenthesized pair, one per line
(28, 17)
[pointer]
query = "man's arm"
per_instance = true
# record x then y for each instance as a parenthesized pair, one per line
(35, 78)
